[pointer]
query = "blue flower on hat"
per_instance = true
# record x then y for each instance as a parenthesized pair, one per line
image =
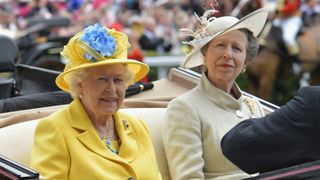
(99, 39)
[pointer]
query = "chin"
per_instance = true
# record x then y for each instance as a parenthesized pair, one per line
(109, 109)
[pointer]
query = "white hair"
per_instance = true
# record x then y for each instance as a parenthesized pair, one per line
(74, 78)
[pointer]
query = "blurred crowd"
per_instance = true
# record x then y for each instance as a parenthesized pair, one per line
(152, 25)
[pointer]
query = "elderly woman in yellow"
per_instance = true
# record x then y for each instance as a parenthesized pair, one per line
(197, 120)
(90, 138)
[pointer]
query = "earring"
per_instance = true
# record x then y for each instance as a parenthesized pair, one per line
(204, 64)
(80, 96)
(243, 70)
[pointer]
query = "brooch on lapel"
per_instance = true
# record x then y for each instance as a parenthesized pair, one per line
(125, 124)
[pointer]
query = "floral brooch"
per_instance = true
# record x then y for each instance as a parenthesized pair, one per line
(97, 38)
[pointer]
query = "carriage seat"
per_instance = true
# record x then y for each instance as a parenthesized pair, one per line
(16, 139)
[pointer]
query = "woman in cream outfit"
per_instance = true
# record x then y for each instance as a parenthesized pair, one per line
(197, 120)
(90, 138)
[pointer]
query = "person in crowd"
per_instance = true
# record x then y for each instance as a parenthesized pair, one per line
(197, 120)
(38, 8)
(288, 19)
(286, 137)
(310, 10)
(149, 40)
(91, 138)
(135, 52)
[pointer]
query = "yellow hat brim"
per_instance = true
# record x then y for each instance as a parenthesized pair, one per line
(138, 69)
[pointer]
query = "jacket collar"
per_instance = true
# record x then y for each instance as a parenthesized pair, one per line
(88, 136)
(219, 97)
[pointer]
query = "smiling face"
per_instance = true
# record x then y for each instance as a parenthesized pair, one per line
(225, 58)
(103, 89)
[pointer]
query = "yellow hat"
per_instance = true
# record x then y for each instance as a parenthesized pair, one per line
(98, 46)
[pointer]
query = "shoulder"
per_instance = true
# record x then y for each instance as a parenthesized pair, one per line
(179, 104)
(186, 99)
(54, 120)
(50, 129)
(309, 95)
(57, 116)
(183, 110)
(309, 91)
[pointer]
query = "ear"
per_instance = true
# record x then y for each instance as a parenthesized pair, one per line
(245, 64)
(204, 58)
(80, 87)
(203, 54)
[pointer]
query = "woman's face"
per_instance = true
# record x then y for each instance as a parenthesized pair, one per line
(226, 56)
(103, 89)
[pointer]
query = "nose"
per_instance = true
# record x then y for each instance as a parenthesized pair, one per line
(227, 52)
(110, 87)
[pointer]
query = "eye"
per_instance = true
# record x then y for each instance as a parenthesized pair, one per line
(118, 80)
(238, 48)
(102, 78)
(219, 44)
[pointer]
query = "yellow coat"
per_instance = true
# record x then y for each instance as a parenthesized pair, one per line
(66, 146)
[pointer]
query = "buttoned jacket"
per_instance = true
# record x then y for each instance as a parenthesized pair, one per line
(67, 146)
(194, 126)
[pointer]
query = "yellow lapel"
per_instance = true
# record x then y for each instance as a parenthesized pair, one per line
(128, 148)
(87, 135)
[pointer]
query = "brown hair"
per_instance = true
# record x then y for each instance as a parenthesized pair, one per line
(252, 48)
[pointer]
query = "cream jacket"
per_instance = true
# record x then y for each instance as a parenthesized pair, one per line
(195, 124)
(66, 146)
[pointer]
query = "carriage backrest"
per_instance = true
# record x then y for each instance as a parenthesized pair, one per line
(9, 54)
(16, 139)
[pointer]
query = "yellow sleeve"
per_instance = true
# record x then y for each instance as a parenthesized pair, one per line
(49, 154)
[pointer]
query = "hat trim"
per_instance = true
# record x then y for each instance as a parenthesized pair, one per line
(206, 40)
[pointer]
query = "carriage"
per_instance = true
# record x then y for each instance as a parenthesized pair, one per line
(17, 128)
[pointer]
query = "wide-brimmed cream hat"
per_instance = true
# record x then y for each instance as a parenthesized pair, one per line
(212, 27)
(98, 46)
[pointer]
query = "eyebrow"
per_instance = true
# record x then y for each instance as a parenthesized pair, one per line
(108, 75)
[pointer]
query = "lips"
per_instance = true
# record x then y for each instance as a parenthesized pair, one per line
(226, 65)
(109, 100)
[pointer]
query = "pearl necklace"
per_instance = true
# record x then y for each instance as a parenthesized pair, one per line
(106, 133)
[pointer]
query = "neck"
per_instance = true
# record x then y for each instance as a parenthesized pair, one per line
(224, 86)
(102, 121)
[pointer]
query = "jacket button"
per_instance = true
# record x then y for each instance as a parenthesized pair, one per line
(130, 178)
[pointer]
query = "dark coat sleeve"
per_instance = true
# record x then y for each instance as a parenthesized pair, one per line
(35, 100)
(286, 137)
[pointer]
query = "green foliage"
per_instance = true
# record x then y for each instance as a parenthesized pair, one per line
(242, 81)
(153, 74)
(283, 88)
